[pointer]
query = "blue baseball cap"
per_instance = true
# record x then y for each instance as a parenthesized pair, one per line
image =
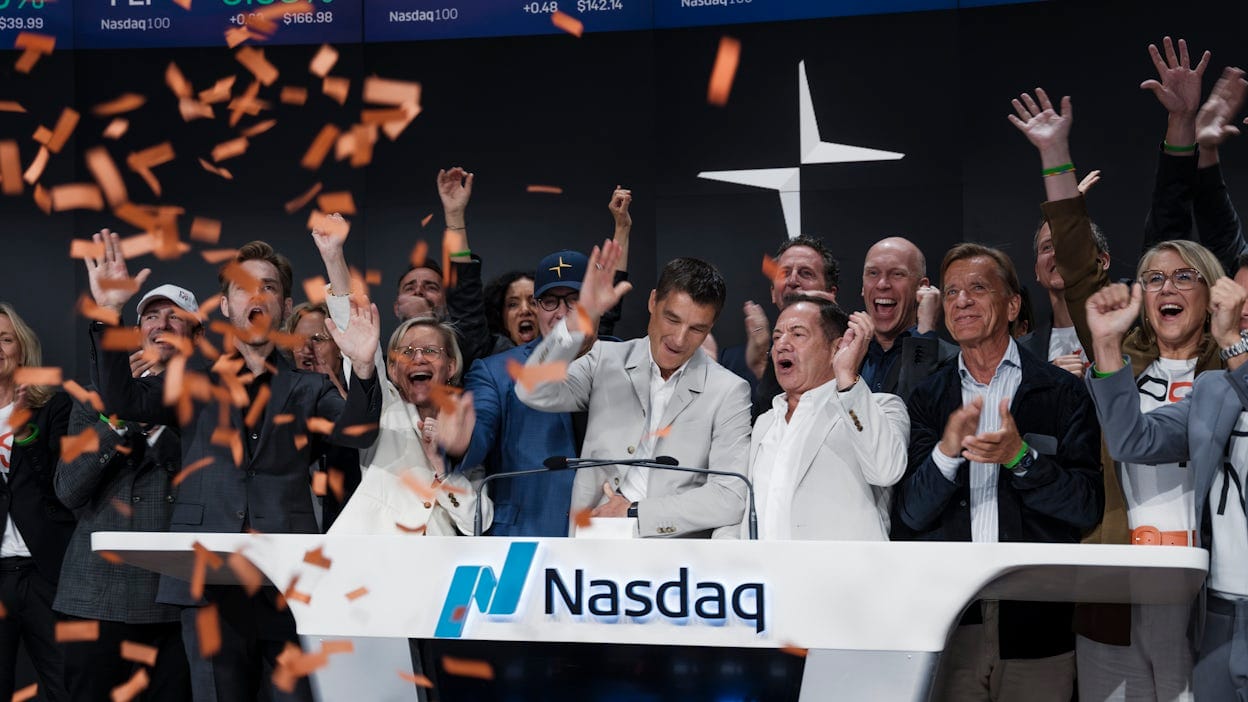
(562, 269)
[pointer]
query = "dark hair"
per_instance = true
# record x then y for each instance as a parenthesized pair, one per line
(831, 269)
(1005, 267)
(832, 318)
(1241, 261)
(1098, 237)
(1025, 324)
(428, 263)
(261, 251)
(496, 299)
(698, 279)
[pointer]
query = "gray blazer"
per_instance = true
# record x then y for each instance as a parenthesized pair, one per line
(709, 417)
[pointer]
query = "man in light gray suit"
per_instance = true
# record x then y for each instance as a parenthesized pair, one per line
(655, 396)
(1209, 430)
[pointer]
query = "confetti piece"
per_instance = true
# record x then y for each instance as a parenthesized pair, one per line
(87, 308)
(419, 680)
(208, 626)
(393, 129)
(127, 102)
(372, 276)
(36, 375)
(10, 106)
(297, 203)
(529, 377)
(206, 230)
(317, 558)
(125, 510)
(323, 62)
(330, 648)
(239, 276)
(359, 429)
(11, 168)
(229, 149)
(320, 483)
(330, 225)
(319, 149)
(139, 653)
(67, 632)
(184, 4)
(19, 417)
(26, 693)
(339, 202)
(35, 171)
(132, 687)
(188, 470)
(320, 425)
(216, 170)
(203, 559)
(262, 25)
(357, 593)
(336, 88)
(65, 126)
(392, 114)
(259, 128)
(219, 92)
(419, 253)
(337, 483)
(583, 518)
(83, 395)
(794, 650)
(257, 406)
(550, 189)
(724, 72)
(110, 557)
(253, 60)
(385, 91)
(771, 269)
(73, 446)
(177, 82)
(410, 530)
(105, 172)
(77, 196)
(292, 593)
(425, 222)
(364, 137)
(27, 61)
(246, 103)
(567, 23)
(314, 289)
(192, 109)
(248, 575)
(467, 668)
(237, 35)
(41, 43)
(151, 157)
(42, 199)
(42, 135)
(293, 95)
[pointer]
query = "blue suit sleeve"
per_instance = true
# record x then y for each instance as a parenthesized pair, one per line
(487, 400)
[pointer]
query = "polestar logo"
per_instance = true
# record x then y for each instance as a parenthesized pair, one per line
(788, 181)
(499, 595)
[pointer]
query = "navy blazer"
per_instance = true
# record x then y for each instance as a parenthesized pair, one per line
(510, 436)
(1060, 497)
(29, 495)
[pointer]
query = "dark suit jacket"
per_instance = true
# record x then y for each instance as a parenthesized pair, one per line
(920, 358)
(1059, 498)
(1037, 341)
(268, 490)
(28, 495)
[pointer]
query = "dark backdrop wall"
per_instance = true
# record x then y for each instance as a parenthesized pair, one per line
(629, 108)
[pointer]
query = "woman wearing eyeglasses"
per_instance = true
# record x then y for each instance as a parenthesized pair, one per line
(407, 487)
(1143, 651)
(319, 353)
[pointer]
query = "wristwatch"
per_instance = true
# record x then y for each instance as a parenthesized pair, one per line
(632, 510)
(1237, 349)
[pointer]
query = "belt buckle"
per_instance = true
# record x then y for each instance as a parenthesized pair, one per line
(1146, 536)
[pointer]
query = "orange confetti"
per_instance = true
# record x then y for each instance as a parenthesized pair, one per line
(445, 397)
(218, 256)
(298, 203)
(110, 557)
(239, 276)
(390, 114)
(246, 103)
(42, 43)
(293, 594)
(137, 245)
(314, 289)
(64, 128)
(549, 189)
(253, 60)
(11, 106)
(67, 632)
(216, 170)
(529, 377)
(583, 517)
(248, 575)
(208, 626)
(229, 149)
(336, 88)
(42, 199)
(725, 70)
(206, 230)
(259, 128)
(177, 82)
(10, 168)
(330, 648)
(237, 35)
(372, 276)
(324, 61)
(35, 171)
(794, 650)
(26, 61)
(320, 147)
(219, 92)
(357, 593)
(136, 684)
(467, 668)
(188, 470)
(127, 102)
(87, 308)
(333, 226)
(317, 558)
(19, 417)
(425, 222)
(42, 135)
(359, 429)
(385, 91)
(419, 252)
(364, 136)
(116, 128)
(139, 653)
(262, 25)
(340, 202)
(77, 196)
(36, 375)
(294, 95)
(102, 167)
(83, 395)
(257, 407)
(417, 679)
(151, 157)
(320, 483)
(337, 483)
(320, 425)
(410, 530)
(393, 129)
(771, 269)
(567, 23)
(74, 445)
(192, 109)
(26, 693)
(125, 510)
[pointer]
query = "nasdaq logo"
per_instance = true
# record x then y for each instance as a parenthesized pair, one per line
(493, 595)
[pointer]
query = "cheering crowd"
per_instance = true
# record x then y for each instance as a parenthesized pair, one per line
(940, 412)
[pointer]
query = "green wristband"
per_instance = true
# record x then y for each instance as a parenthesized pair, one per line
(1098, 374)
(1058, 170)
(1172, 149)
(34, 434)
(465, 252)
(1021, 452)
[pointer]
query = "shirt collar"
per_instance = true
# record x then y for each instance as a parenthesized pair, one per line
(1011, 358)
(815, 395)
(656, 373)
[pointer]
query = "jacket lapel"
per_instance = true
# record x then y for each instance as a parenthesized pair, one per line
(690, 384)
(280, 386)
(822, 424)
(637, 365)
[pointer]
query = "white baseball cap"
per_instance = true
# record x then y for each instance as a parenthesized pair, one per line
(179, 296)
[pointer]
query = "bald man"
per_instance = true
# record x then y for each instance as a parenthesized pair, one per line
(906, 311)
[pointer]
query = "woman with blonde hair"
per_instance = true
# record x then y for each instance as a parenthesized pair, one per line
(36, 526)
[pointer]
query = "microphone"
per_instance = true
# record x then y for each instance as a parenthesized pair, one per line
(555, 463)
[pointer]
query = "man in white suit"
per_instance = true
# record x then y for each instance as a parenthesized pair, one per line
(823, 457)
(660, 395)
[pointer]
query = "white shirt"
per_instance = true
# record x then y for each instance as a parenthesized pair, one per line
(634, 483)
(1064, 341)
(12, 544)
(1228, 562)
(1161, 496)
(775, 466)
(983, 476)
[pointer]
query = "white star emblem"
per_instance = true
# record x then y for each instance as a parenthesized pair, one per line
(788, 181)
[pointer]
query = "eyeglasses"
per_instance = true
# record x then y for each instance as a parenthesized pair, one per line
(973, 290)
(1183, 279)
(318, 339)
(550, 303)
(411, 352)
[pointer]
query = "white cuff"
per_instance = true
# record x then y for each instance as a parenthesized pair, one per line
(948, 466)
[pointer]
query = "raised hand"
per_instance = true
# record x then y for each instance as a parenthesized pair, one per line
(1000, 446)
(599, 292)
(329, 243)
(107, 273)
(1226, 304)
(1113, 310)
(455, 189)
(852, 349)
(620, 200)
(455, 422)
(961, 425)
(1214, 121)
(757, 338)
(929, 299)
(1071, 363)
(1046, 128)
(1178, 89)
(1089, 180)
(359, 340)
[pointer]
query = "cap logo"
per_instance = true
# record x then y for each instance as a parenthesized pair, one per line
(558, 269)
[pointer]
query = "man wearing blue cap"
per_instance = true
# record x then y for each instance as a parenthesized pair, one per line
(510, 436)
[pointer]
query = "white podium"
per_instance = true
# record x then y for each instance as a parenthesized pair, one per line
(874, 616)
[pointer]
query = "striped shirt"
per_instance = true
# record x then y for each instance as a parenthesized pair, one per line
(983, 476)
